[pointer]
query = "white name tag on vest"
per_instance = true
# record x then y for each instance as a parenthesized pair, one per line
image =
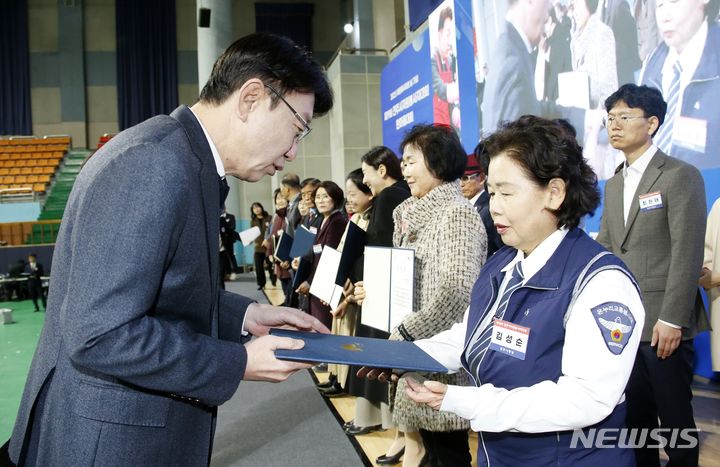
(509, 339)
(650, 201)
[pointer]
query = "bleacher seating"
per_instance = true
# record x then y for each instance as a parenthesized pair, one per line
(31, 162)
(104, 139)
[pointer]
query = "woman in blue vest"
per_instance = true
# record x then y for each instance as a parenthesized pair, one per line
(554, 321)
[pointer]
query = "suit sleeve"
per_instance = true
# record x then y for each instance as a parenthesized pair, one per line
(686, 222)
(121, 254)
(603, 237)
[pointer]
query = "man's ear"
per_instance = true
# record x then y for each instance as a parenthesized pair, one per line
(653, 124)
(248, 97)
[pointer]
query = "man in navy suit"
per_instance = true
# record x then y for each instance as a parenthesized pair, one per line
(472, 186)
(140, 345)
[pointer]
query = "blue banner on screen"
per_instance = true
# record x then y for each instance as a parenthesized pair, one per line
(406, 92)
(433, 79)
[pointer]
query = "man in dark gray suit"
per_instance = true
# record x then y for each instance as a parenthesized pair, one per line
(654, 220)
(140, 345)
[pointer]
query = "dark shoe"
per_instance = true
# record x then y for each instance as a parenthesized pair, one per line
(348, 423)
(38, 309)
(361, 430)
(390, 460)
(333, 391)
(327, 384)
(260, 287)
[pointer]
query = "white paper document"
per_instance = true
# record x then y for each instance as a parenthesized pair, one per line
(389, 284)
(323, 284)
(574, 89)
(249, 235)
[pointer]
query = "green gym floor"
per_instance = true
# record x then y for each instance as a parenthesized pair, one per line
(17, 345)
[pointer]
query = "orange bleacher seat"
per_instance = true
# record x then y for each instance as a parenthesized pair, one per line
(4, 156)
(8, 180)
(53, 162)
(39, 187)
(21, 179)
(48, 170)
(4, 171)
(9, 164)
(44, 178)
(30, 162)
(35, 170)
(14, 171)
(33, 178)
(26, 171)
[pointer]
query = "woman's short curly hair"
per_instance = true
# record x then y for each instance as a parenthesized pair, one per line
(545, 151)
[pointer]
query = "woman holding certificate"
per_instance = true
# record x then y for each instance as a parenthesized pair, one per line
(450, 246)
(554, 322)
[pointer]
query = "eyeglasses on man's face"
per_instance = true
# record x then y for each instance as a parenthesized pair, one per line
(467, 178)
(306, 128)
(621, 120)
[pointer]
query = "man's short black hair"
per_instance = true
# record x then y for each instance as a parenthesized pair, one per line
(645, 98)
(277, 61)
(546, 151)
(291, 181)
(443, 153)
(381, 155)
(310, 181)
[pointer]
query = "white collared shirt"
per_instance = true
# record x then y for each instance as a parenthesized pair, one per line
(216, 155)
(631, 178)
(474, 199)
(689, 61)
(593, 378)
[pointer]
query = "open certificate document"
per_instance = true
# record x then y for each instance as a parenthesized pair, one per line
(323, 284)
(389, 284)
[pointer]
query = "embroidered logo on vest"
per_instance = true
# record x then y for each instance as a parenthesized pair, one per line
(616, 324)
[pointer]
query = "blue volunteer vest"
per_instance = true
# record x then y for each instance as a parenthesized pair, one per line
(541, 305)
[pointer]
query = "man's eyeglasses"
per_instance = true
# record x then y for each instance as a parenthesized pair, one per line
(467, 178)
(306, 128)
(621, 120)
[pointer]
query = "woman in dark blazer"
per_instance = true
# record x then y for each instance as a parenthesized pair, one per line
(382, 173)
(329, 201)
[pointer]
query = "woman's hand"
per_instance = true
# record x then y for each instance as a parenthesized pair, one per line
(359, 293)
(430, 393)
(304, 288)
(381, 374)
(295, 263)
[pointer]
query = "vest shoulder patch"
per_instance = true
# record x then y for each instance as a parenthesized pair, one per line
(616, 323)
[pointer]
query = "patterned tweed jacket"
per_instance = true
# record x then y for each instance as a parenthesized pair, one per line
(450, 246)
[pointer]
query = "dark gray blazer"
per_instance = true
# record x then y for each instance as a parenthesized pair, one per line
(140, 344)
(662, 247)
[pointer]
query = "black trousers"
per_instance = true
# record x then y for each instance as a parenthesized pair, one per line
(260, 269)
(446, 449)
(36, 291)
(661, 389)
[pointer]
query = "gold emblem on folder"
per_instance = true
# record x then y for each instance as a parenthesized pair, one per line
(353, 347)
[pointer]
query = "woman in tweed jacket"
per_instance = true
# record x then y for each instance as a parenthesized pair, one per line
(450, 246)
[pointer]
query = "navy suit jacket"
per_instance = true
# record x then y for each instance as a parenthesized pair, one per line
(140, 344)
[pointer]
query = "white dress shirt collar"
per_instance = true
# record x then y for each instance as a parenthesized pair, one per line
(474, 199)
(216, 155)
(539, 256)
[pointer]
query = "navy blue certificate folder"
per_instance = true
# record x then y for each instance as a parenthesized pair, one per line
(302, 242)
(360, 351)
